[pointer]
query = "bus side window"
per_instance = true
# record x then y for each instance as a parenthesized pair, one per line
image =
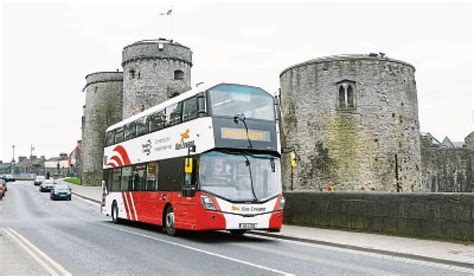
(116, 175)
(152, 176)
(126, 178)
(109, 138)
(157, 121)
(129, 132)
(139, 178)
(173, 114)
(171, 176)
(142, 127)
(190, 109)
(119, 135)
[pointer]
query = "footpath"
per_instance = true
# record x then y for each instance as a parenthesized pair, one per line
(449, 253)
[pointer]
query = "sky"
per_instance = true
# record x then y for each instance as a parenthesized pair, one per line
(47, 48)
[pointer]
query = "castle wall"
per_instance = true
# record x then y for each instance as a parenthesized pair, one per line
(447, 170)
(103, 108)
(374, 146)
(149, 74)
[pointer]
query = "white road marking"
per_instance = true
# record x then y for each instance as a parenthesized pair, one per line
(31, 253)
(369, 254)
(202, 251)
(44, 260)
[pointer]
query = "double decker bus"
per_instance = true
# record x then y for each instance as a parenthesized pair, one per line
(208, 159)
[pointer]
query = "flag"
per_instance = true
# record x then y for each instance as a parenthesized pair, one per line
(169, 12)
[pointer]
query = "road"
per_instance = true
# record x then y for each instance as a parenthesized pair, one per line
(72, 237)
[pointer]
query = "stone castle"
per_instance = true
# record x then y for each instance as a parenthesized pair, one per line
(153, 71)
(351, 119)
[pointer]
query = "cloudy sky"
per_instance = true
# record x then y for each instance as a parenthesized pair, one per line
(48, 49)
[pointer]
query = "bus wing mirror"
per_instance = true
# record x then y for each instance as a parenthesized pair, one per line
(188, 165)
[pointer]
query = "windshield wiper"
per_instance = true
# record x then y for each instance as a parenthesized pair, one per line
(241, 117)
(247, 163)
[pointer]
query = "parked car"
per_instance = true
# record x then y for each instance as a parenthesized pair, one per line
(3, 188)
(47, 185)
(9, 178)
(61, 191)
(39, 179)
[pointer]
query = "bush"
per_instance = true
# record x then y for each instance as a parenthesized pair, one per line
(73, 180)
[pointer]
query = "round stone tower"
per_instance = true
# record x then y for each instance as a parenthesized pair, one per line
(154, 71)
(353, 121)
(103, 108)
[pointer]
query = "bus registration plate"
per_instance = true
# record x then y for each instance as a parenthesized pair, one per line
(247, 225)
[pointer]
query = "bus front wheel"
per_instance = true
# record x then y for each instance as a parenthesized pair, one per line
(114, 213)
(170, 228)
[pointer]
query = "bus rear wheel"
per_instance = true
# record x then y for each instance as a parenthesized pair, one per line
(170, 228)
(114, 213)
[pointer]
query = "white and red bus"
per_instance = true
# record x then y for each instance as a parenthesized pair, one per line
(208, 159)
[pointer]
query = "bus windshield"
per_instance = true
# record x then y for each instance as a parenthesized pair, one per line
(230, 99)
(240, 177)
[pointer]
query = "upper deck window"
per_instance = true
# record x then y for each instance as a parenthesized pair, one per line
(173, 114)
(230, 99)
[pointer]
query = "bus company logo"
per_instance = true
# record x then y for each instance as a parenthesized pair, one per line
(248, 209)
(183, 143)
(118, 158)
(185, 135)
(146, 148)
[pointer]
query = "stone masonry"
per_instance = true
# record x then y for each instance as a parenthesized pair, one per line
(353, 121)
(154, 71)
(447, 169)
(103, 108)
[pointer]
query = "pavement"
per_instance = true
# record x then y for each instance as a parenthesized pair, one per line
(450, 253)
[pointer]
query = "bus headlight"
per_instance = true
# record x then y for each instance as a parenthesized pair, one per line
(282, 204)
(207, 203)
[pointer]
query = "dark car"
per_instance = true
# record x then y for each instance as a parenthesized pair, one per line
(39, 179)
(61, 191)
(9, 178)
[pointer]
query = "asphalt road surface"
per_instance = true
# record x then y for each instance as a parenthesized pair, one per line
(72, 237)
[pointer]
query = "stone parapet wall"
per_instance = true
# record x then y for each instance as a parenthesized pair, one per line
(429, 215)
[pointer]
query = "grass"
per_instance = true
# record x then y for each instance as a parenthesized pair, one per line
(73, 180)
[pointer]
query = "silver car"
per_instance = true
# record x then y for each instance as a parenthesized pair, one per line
(47, 185)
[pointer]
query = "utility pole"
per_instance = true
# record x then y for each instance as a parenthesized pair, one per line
(13, 160)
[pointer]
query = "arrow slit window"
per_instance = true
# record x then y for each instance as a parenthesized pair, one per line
(346, 94)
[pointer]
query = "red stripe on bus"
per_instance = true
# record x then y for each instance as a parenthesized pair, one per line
(130, 207)
(123, 153)
(132, 202)
(117, 160)
(125, 204)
